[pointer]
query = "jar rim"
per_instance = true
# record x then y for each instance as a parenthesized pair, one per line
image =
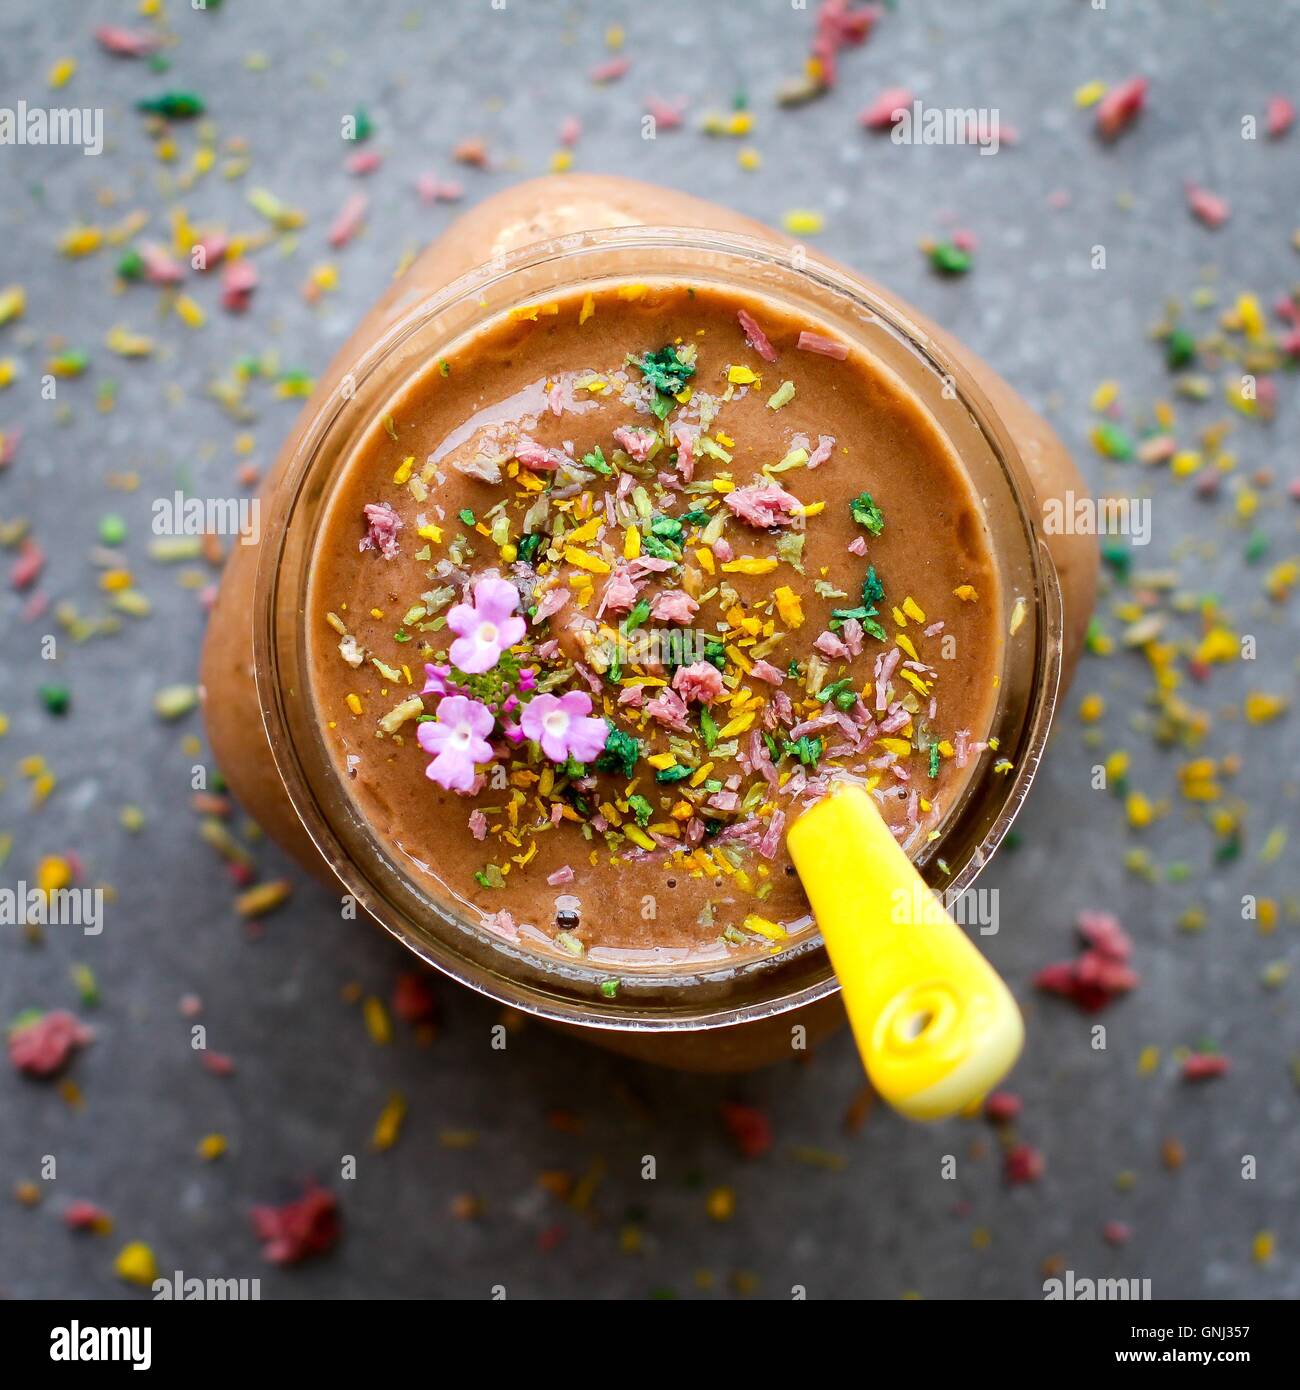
(277, 624)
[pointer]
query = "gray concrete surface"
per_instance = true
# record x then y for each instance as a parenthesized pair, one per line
(875, 1219)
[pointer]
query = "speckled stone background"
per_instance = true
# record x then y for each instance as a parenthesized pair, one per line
(846, 1214)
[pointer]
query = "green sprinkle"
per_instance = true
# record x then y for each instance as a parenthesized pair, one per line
(176, 106)
(948, 259)
(173, 701)
(621, 752)
(1119, 557)
(807, 749)
(131, 266)
(866, 513)
(783, 395)
(715, 653)
(596, 461)
(665, 370)
(667, 528)
(362, 125)
(467, 517)
(609, 988)
(444, 366)
(641, 809)
(873, 591)
(529, 546)
(639, 612)
(112, 529)
(668, 775)
(1113, 442)
(1180, 349)
(55, 698)
(708, 727)
(934, 760)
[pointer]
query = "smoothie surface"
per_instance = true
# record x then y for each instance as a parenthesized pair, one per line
(616, 588)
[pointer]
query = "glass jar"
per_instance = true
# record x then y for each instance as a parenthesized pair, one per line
(722, 1016)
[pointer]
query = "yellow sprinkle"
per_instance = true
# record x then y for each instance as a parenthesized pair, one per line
(749, 159)
(588, 308)
(751, 564)
(705, 556)
(741, 376)
(378, 1024)
(13, 303)
(914, 681)
(529, 313)
(803, 222)
(404, 470)
(62, 71)
(632, 292)
(389, 1124)
(1262, 1247)
(584, 561)
(773, 931)
(811, 509)
(638, 836)
(561, 161)
(81, 241)
(136, 1264)
(897, 746)
(190, 311)
(1260, 708)
(1089, 94)
(738, 725)
(966, 592)
(353, 702)
(1139, 810)
(1091, 708)
(1105, 395)
(789, 606)
(1148, 1060)
(905, 642)
(913, 611)
(430, 532)
(660, 761)
(212, 1146)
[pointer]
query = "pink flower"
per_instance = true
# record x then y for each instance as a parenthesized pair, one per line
(563, 726)
(456, 740)
(485, 628)
(437, 680)
(382, 526)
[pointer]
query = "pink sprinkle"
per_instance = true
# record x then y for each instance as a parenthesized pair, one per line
(28, 566)
(1120, 107)
(382, 524)
(830, 645)
(1002, 1107)
(668, 707)
(564, 874)
(765, 671)
(755, 336)
(620, 592)
(1208, 207)
(348, 223)
(1203, 1066)
(1023, 1164)
(363, 162)
(964, 240)
(636, 439)
(218, 1063)
(478, 824)
(214, 247)
(610, 71)
(84, 1216)
(43, 1047)
(1280, 117)
(722, 550)
(667, 115)
(550, 603)
(126, 43)
(673, 606)
(431, 189)
(536, 457)
(570, 131)
(763, 505)
(159, 267)
(890, 106)
(858, 545)
(825, 443)
(1116, 1233)
(934, 629)
(701, 682)
(502, 923)
(238, 281)
(826, 347)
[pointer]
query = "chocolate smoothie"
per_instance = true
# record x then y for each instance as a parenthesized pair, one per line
(611, 591)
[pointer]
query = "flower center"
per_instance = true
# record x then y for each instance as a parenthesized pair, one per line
(487, 634)
(556, 722)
